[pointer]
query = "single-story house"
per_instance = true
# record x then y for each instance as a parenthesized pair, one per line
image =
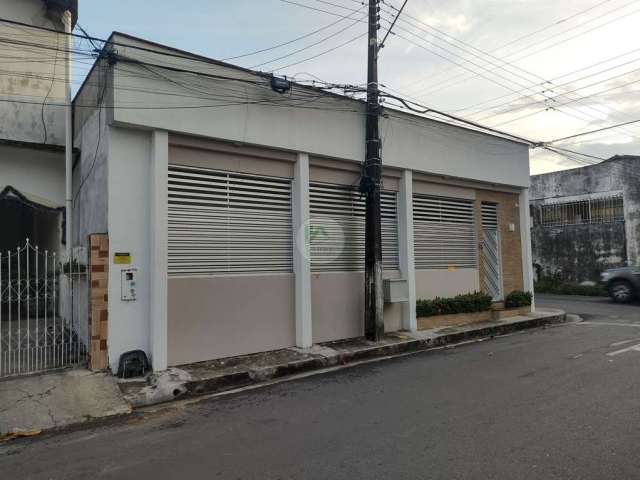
(205, 183)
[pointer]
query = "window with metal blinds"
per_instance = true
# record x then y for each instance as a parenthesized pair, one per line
(444, 233)
(224, 223)
(338, 212)
(489, 216)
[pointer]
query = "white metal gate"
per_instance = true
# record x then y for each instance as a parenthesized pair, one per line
(36, 333)
(491, 251)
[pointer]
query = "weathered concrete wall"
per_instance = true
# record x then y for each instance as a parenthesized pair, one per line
(631, 188)
(35, 172)
(580, 252)
(30, 77)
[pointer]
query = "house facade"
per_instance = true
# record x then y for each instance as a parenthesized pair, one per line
(229, 222)
(586, 220)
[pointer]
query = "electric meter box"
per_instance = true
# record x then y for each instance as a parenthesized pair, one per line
(395, 290)
(129, 284)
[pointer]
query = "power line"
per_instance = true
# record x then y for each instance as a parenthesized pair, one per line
(552, 80)
(274, 47)
(590, 132)
(554, 107)
(322, 40)
(449, 82)
(393, 23)
(324, 52)
(532, 87)
(535, 32)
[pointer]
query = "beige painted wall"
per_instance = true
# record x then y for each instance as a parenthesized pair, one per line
(337, 306)
(227, 156)
(445, 283)
(217, 317)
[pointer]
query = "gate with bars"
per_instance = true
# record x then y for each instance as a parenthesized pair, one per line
(491, 254)
(41, 324)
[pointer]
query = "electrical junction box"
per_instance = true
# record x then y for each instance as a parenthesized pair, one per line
(129, 284)
(395, 290)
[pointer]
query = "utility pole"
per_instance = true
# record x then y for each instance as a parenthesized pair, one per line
(68, 142)
(370, 185)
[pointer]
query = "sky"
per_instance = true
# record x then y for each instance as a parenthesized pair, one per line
(541, 69)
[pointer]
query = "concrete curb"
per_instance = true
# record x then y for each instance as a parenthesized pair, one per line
(423, 341)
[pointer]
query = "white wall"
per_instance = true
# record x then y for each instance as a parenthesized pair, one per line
(427, 146)
(39, 173)
(128, 218)
(28, 79)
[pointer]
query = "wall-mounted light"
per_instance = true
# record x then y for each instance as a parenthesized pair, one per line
(280, 85)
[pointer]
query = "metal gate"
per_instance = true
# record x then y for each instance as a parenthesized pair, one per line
(38, 318)
(492, 271)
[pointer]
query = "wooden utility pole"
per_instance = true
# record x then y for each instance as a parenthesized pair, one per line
(370, 185)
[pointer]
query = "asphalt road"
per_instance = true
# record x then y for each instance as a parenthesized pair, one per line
(558, 403)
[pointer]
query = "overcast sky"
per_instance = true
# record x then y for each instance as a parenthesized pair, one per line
(461, 56)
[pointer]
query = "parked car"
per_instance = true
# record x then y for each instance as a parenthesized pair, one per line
(623, 284)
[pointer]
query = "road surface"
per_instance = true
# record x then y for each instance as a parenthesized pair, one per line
(557, 403)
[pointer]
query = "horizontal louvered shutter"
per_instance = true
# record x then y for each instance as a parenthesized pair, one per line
(444, 233)
(340, 212)
(490, 216)
(228, 223)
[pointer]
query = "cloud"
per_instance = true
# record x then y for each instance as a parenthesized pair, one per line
(457, 23)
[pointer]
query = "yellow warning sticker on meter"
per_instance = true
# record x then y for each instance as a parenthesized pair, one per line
(122, 258)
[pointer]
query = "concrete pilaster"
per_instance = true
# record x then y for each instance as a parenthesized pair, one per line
(301, 253)
(158, 271)
(405, 240)
(525, 232)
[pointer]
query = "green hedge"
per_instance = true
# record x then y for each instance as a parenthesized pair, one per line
(558, 287)
(469, 303)
(517, 299)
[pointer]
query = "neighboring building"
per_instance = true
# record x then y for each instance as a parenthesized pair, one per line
(204, 184)
(36, 321)
(587, 219)
(32, 90)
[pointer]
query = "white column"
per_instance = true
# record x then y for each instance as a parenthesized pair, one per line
(405, 240)
(525, 235)
(159, 249)
(301, 253)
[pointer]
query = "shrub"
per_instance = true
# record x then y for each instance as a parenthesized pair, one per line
(468, 303)
(518, 299)
(559, 287)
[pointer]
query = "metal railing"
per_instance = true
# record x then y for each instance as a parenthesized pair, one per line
(579, 212)
(33, 335)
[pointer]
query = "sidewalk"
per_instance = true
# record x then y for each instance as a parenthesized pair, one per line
(226, 374)
(30, 405)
